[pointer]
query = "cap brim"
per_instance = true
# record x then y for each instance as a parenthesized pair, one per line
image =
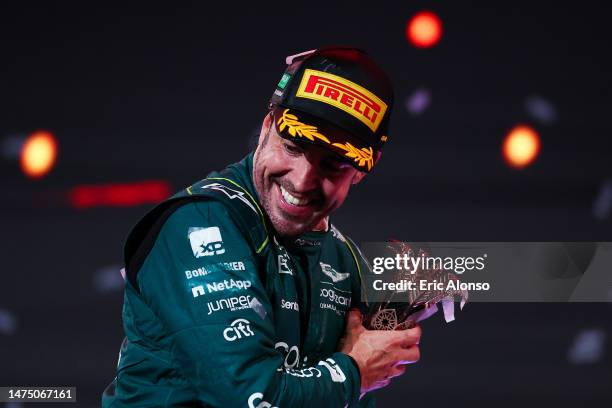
(301, 127)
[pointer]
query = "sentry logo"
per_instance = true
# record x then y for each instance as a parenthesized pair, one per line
(205, 241)
(343, 94)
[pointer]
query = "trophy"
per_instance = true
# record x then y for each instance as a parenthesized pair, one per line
(405, 308)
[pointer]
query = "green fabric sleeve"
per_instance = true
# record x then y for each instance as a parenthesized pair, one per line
(203, 283)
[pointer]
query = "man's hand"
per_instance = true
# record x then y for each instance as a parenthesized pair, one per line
(380, 354)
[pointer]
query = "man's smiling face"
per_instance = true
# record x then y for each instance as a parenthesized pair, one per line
(299, 185)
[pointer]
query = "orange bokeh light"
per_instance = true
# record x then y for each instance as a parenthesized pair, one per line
(521, 146)
(38, 154)
(424, 29)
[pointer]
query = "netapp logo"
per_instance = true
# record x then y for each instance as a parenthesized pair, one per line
(221, 286)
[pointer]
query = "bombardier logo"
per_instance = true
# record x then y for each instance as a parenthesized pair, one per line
(237, 329)
(205, 241)
(230, 193)
(343, 94)
(332, 273)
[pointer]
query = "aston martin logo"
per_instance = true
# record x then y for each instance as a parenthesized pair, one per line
(332, 273)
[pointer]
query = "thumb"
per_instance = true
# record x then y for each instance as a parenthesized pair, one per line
(354, 320)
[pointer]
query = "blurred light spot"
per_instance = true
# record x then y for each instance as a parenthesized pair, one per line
(12, 145)
(424, 29)
(541, 109)
(521, 146)
(8, 322)
(38, 154)
(14, 405)
(418, 102)
(108, 279)
(602, 207)
(588, 347)
(119, 194)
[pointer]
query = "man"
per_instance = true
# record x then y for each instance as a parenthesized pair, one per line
(239, 290)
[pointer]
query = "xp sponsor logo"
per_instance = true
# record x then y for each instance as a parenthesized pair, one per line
(213, 287)
(232, 304)
(256, 401)
(238, 329)
(205, 241)
(343, 94)
(286, 304)
(332, 273)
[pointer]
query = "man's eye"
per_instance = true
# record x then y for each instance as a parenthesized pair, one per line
(291, 148)
(335, 166)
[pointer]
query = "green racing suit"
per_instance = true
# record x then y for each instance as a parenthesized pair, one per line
(218, 311)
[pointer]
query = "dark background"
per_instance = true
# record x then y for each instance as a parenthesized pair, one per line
(172, 91)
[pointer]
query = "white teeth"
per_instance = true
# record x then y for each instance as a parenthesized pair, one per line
(291, 199)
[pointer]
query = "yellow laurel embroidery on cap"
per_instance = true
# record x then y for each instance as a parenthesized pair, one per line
(297, 128)
(363, 156)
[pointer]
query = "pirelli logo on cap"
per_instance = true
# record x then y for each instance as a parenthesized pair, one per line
(343, 94)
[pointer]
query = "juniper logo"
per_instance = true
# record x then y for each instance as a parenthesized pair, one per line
(205, 241)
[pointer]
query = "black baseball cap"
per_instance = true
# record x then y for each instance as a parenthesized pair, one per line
(338, 98)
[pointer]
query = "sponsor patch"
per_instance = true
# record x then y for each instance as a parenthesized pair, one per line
(343, 94)
(256, 401)
(283, 81)
(283, 264)
(220, 286)
(337, 375)
(232, 304)
(205, 241)
(286, 304)
(332, 273)
(238, 329)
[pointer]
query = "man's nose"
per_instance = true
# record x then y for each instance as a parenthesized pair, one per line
(306, 175)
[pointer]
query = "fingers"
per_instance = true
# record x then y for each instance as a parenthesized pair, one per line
(411, 336)
(397, 370)
(408, 356)
(405, 338)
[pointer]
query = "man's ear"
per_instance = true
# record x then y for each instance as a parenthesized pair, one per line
(360, 174)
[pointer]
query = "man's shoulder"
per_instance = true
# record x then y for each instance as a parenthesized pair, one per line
(186, 228)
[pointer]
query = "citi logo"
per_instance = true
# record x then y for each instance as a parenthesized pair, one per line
(238, 329)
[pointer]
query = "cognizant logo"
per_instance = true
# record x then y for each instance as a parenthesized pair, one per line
(256, 401)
